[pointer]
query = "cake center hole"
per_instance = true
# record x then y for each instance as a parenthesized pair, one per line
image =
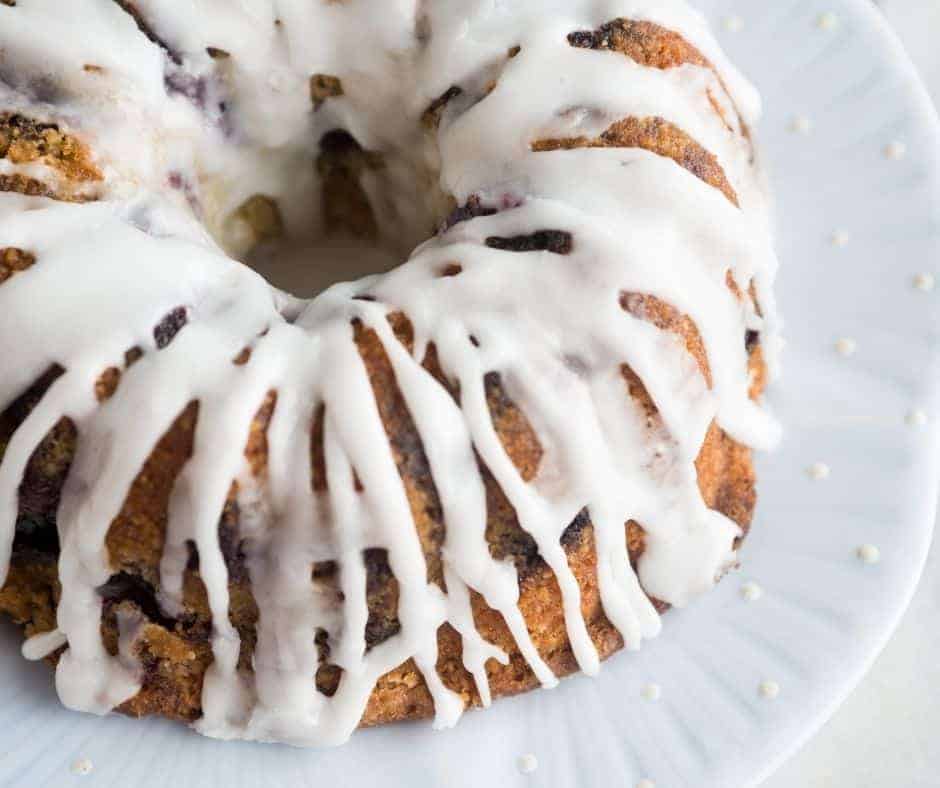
(346, 214)
(305, 268)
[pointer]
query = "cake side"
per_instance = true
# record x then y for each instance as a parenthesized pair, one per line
(175, 653)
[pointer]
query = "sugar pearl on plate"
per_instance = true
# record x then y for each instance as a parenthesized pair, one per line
(840, 238)
(827, 21)
(82, 767)
(895, 150)
(528, 763)
(846, 346)
(868, 554)
(801, 124)
(751, 592)
(769, 689)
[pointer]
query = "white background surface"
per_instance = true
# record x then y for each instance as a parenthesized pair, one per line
(886, 732)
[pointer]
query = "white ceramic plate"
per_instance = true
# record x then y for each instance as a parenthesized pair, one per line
(824, 613)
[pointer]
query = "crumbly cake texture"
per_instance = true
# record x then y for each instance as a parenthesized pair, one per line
(161, 637)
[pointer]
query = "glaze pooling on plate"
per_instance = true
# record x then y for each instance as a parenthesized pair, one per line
(617, 221)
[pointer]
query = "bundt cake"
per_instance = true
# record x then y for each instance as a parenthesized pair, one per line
(281, 517)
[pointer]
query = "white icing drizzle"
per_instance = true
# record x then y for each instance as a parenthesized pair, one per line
(107, 272)
(42, 645)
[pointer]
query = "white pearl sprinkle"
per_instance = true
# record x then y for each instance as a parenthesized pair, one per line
(528, 763)
(868, 554)
(925, 282)
(82, 766)
(733, 23)
(769, 689)
(818, 471)
(840, 238)
(646, 784)
(751, 592)
(916, 418)
(846, 346)
(895, 150)
(801, 124)
(827, 21)
(651, 692)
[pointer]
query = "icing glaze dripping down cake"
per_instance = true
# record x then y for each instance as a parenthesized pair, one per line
(279, 518)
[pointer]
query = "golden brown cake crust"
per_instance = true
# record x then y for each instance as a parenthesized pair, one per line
(26, 140)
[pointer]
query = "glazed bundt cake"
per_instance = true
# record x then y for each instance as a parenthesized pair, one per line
(280, 518)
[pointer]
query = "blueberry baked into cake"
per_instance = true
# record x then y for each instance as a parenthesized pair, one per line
(433, 483)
